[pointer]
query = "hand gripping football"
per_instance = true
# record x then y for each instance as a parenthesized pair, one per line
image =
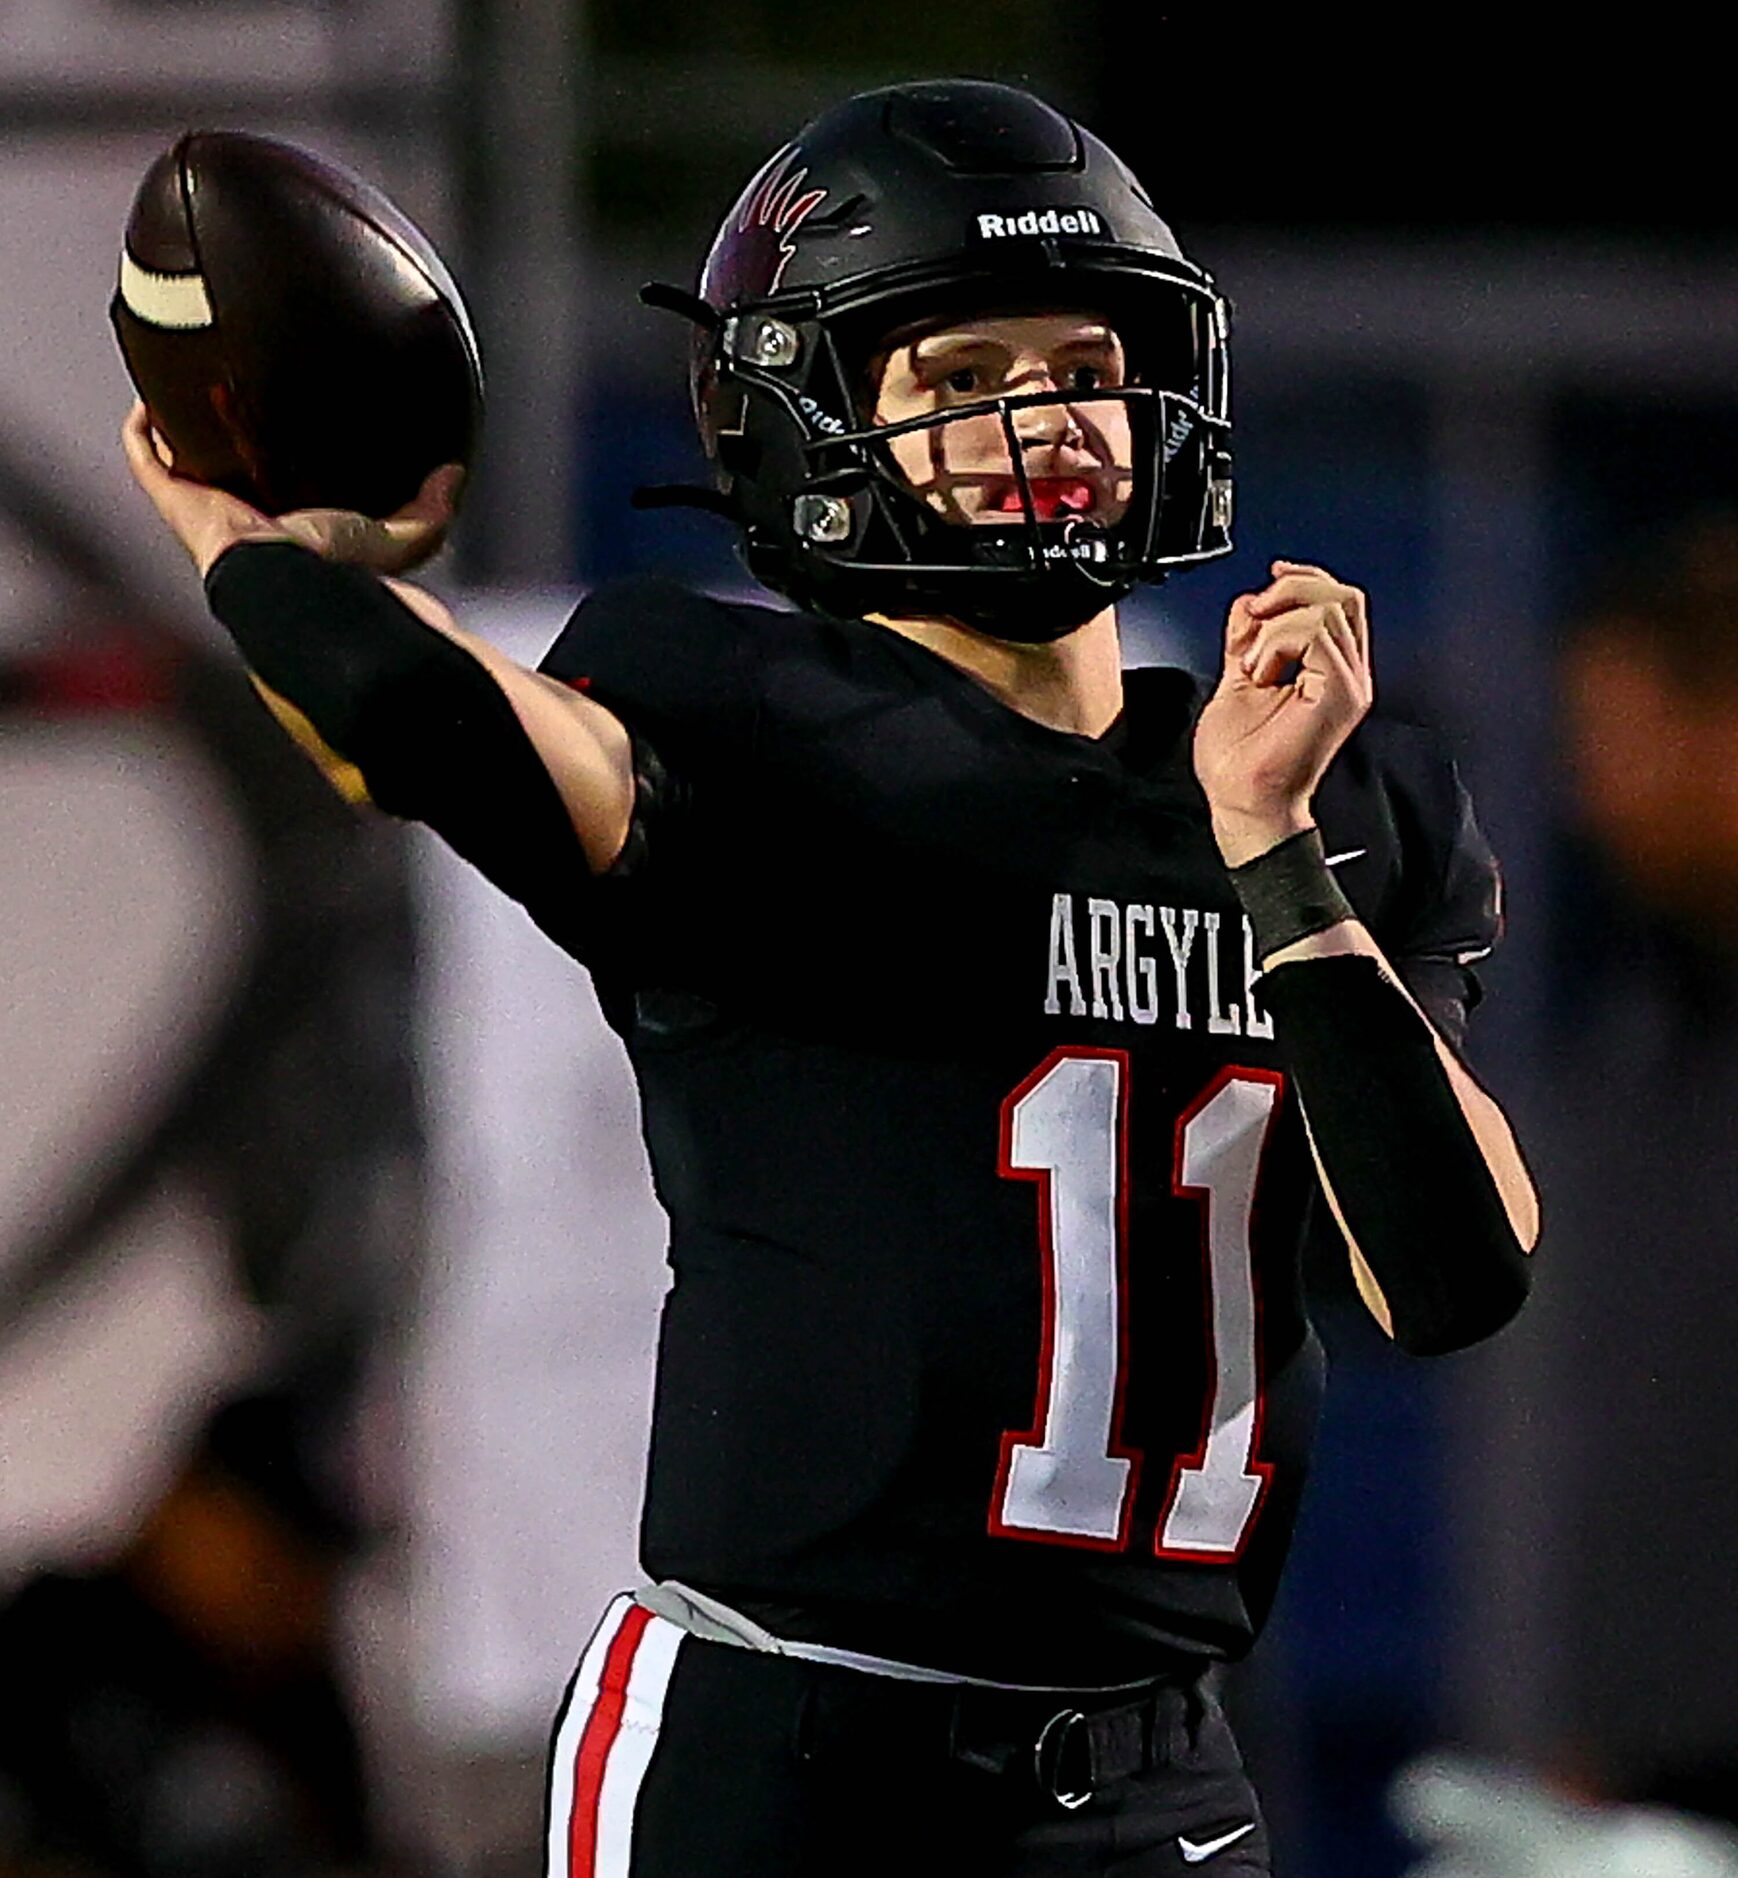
(296, 339)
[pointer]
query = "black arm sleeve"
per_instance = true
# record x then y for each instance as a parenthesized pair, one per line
(433, 734)
(1398, 1152)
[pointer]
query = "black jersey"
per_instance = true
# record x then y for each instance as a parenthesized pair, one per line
(986, 1346)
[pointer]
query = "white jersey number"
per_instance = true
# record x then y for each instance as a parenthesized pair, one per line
(1070, 1478)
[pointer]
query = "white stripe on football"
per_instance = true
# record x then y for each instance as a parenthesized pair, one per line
(176, 301)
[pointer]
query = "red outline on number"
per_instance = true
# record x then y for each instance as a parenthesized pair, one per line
(1232, 1073)
(1033, 1436)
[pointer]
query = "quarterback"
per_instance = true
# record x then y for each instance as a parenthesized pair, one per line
(999, 1016)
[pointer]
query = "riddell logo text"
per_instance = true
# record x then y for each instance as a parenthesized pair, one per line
(1042, 222)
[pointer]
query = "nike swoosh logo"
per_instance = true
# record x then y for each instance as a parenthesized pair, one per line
(1351, 854)
(1194, 1854)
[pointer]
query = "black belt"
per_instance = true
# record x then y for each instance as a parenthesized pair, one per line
(1075, 1749)
(1066, 1744)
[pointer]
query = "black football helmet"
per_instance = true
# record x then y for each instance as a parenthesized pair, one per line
(917, 205)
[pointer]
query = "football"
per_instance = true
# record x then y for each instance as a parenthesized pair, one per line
(295, 337)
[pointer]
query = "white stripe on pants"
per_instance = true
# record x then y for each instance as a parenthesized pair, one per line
(616, 1756)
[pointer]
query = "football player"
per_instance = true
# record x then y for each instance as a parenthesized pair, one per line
(998, 1016)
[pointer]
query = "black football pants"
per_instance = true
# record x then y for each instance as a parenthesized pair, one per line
(680, 1758)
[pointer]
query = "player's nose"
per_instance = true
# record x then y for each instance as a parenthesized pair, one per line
(1051, 425)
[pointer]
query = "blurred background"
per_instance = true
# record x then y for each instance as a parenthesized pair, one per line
(328, 1278)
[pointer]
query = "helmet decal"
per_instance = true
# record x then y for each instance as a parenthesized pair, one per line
(773, 207)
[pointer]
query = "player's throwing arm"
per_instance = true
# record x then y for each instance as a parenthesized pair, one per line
(378, 681)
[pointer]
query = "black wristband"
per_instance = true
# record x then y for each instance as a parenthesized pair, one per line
(1288, 893)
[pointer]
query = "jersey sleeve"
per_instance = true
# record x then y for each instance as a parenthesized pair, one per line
(675, 666)
(1451, 914)
(680, 672)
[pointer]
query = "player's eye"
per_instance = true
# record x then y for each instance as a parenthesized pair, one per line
(1088, 378)
(963, 378)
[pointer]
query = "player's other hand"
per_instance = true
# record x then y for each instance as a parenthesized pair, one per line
(206, 521)
(1295, 680)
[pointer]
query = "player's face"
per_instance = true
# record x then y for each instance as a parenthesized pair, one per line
(1077, 452)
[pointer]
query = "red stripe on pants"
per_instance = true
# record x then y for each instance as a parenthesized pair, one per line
(601, 1728)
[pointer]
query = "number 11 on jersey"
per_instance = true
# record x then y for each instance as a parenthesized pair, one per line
(1071, 1479)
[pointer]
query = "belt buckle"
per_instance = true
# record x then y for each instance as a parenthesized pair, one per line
(1047, 1757)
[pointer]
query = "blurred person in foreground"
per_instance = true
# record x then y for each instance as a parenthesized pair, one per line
(1641, 1134)
(1474, 1821)
(972, 986)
